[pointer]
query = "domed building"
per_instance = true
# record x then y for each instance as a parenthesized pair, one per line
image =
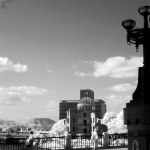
(84, 109)
(83, 120)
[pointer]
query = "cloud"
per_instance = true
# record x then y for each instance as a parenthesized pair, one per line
(118, 98)
(25, 99)
(82, 74)
(6, 100)
(12, 100)
(85, 62)
(23, 90)
(14, 94)
(115, 67)
(122, 87)
(8, 65)
(118, 67)
(116, 102)
(50, 71)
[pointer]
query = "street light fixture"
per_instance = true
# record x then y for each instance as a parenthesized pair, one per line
(144, 10)
(141, 36)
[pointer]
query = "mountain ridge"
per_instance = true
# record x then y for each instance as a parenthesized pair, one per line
(35, 124)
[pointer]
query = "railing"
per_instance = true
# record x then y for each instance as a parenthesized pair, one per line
(39, 143)
(118, 139)
(84, 141)
(80, 141)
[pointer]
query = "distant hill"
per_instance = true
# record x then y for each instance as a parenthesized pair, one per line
(40, 123)
(35, 123)
(8, 123)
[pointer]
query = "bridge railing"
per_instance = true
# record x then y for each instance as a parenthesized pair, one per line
(84, 141)
(118, 139)
(69, 142)
(46, 143)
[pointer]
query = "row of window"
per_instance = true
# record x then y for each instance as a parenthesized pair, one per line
(74, 121)
(74, 130)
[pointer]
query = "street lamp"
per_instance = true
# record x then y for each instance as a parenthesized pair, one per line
(141, 36)
(137, 111)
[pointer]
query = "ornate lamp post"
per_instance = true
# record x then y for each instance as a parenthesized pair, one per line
(141, 36)
(137, 111)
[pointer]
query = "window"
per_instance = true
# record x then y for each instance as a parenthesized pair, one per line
(85, 130)
(84, 114)
(73, 129)
(67, 120)
(73, 120)
(85, 122)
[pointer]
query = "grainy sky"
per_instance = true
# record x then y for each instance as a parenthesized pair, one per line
(50, 49)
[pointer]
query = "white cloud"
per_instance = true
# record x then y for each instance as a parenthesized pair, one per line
(28, 90)
(18, 90)
(25, 99)
(115, 67)
(116, 103)
(82, 74)
(50, 71)
(122, 87)
(85, 62)
(12, 100)
(8, 65)
(14, 94)
(118, 67)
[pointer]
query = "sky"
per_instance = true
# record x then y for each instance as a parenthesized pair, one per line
(51, 49)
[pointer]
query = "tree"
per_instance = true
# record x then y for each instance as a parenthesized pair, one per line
(108, 117)
(58, 128)
(114, 122)
(112, 126)
(121, 128)
(3, 3)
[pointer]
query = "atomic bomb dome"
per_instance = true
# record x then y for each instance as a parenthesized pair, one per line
(82, 115)
(86, 103)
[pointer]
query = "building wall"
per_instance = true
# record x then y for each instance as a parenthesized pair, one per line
(100, 108)
(65, 105)
(87, 93)
(79, 121)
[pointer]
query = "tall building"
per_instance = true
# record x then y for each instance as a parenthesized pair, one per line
(87, 93)
(65, 105)
(83, 119)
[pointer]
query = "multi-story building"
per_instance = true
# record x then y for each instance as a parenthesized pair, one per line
(65, 105)
(83, 120)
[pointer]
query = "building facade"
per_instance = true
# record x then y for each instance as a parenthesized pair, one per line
(83, 120)
(65, 105)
